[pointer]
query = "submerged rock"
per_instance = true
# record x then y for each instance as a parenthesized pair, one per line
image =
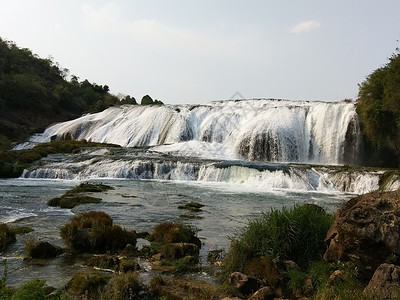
(366, 231)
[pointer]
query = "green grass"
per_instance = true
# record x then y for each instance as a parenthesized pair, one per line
(294, 234)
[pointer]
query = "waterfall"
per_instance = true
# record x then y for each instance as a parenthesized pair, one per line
(260, 130)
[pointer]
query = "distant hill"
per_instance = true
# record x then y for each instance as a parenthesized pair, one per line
(36, 92)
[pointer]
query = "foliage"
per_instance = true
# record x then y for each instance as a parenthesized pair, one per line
(296, 234)
(94, 232)
(124, 286)
(347, 286)
(7, 236)
(379, 109)
(36, 92)
(32, 290)
(147, 100)
(169, 232)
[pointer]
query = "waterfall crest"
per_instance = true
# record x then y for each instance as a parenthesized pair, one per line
(261, 130)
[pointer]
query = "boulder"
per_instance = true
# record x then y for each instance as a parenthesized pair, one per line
(242, 284)
(44, 250)
(365, 231)
(265, 293)
(384, 284)
(86, 285)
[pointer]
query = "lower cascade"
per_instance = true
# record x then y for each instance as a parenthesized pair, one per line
(258, 130)
(129, 163)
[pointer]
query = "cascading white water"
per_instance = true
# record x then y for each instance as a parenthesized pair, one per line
(264, 130)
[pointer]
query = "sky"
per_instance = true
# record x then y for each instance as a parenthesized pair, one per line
(188, 52)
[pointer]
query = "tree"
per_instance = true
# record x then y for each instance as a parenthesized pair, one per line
(147, 100)
(379, 109)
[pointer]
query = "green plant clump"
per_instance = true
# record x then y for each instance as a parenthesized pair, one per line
(7, 236)
(294, 234)
(94, 232)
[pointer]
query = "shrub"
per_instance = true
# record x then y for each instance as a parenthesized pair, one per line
(32, 290)
(296, 234)
(7, 236)
(94, 232)
(169, 232)
(124, 286)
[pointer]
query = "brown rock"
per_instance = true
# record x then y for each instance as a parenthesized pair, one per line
(335, 278)
(265, 293)
(242, 284)
(366, 230)
(384, 284)
(184, 289)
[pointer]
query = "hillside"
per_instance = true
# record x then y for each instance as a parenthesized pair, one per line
(36, 92)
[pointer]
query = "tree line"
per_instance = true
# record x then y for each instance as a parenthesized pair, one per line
(36, 92)
(378, 106)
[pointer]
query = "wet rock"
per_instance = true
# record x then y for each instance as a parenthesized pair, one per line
(242, 284)
(44, 250)
(173, 251)
(384, 284)
(366, 230)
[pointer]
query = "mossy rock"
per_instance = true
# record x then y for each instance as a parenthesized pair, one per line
(169, 232)
(71, 202)
(174, 288)
(174, 251)
(7, 236)
(94, 232)
(192, 206)
(87, 284)
(42, 250)
(74, 196)
(106, 262)
(86, 187)
(125, 286)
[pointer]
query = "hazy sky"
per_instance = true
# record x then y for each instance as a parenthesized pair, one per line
(186, 51)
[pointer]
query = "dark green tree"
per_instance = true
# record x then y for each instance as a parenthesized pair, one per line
(379, 109)
(147, 100)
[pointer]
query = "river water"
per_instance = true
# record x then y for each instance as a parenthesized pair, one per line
(137, 205)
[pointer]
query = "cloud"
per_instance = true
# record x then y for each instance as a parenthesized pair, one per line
(159, 36)
(305, 26)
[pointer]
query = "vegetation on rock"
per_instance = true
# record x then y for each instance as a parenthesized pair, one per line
(74, 196)
(94, 232)
(12, 163)
(7, 236)
(297, 234)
